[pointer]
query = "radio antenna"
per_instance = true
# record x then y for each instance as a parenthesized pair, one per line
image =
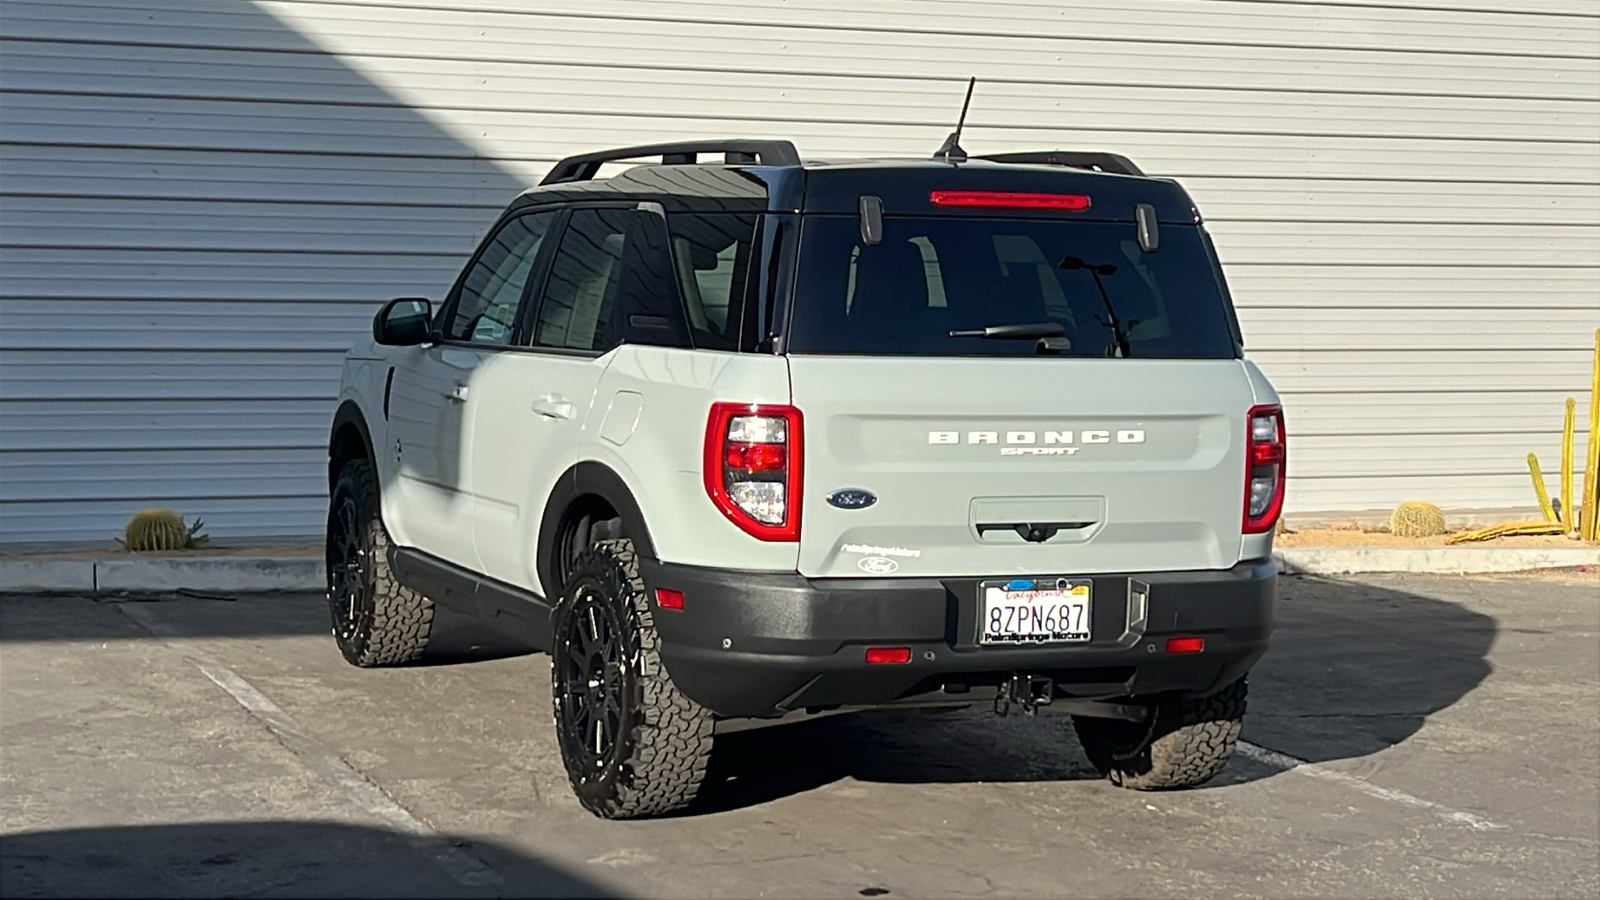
(950, 150)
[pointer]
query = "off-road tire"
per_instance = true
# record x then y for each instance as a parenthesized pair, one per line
(1184, 743)
(662, 745)
(376, 620)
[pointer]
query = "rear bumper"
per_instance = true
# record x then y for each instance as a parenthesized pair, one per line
(763, 644)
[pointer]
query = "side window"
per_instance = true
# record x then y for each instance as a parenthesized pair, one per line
(491, 294)
(712, 252)
(611, 283)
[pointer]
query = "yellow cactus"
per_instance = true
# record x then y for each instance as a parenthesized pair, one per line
(1416, 518)
(153, 530)
(1508, 529)
(1589, 505)
(1539, 488)
(1566, 466)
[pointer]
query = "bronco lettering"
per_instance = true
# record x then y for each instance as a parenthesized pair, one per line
(1024, 438)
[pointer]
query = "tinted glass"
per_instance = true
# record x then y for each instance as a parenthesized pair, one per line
(492, 292)
(931, 276)
(611, 282)
(712, 254)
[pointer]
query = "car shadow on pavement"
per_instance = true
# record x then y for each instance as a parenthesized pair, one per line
(1354, 669)
(458, 639)
(62, 617)
(907, 746)
(270, 858)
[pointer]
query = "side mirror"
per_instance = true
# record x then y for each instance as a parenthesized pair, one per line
(403, 322)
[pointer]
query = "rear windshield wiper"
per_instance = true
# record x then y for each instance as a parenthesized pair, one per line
(1014, 332)
(1119, 333)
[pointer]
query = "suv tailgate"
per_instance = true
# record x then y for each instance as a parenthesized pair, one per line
(1127, 465)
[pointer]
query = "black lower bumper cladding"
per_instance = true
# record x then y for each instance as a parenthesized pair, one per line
(757, 644)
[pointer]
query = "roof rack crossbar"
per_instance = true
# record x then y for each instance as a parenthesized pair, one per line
(734, 152)
(1076, 159)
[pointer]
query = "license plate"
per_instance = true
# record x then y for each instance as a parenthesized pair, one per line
(1034, 611)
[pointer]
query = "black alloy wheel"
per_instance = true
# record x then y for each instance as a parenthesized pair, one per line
(349, 574)
(591, 681)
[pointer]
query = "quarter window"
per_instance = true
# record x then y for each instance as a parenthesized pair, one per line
(491, 294)
(611, 283)
(712, 253)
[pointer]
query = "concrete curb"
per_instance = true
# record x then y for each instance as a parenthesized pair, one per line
(1431, 560)
(162, 573)
(210, 573)
(24, 573)
(304, 573)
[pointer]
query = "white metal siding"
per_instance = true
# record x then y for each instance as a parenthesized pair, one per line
(204, 201)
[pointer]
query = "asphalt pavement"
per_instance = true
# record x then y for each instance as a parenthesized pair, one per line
(1408, 736)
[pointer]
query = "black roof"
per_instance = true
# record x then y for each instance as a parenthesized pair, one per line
(769, 176)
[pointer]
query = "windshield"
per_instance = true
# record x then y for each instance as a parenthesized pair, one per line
(1085, 289)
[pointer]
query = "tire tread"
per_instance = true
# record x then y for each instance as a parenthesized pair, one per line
(1189, 741)
(671, 735)
(402, 619)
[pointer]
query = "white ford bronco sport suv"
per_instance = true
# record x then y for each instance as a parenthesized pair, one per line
(760, 439)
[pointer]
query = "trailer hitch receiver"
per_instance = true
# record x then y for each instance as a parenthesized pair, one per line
(1026, 691)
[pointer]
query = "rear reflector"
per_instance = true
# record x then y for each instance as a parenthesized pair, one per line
(881, 656)
(1185, 645)
(669, 599)
(1010, 200)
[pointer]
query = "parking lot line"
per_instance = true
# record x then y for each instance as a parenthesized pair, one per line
(1285, 762)
(327, 765)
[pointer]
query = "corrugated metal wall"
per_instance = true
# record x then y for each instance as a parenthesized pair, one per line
(203, 201)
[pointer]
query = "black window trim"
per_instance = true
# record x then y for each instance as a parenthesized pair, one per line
(541, 266)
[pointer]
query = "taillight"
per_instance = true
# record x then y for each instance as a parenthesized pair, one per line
(1009, 200)
(1264, 466)
(753, 466)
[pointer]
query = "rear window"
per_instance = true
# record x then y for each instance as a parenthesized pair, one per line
(1088, 282)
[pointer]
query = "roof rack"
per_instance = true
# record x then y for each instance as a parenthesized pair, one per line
(1076, 159)
(736, 151)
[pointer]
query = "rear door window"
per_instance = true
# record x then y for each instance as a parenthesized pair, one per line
(1089, 283)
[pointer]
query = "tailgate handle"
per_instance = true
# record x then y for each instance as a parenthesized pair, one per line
(1032, 532)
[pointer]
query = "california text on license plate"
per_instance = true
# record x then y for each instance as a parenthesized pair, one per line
(1033, 611)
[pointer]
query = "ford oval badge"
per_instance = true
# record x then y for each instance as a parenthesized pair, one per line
(852, 498)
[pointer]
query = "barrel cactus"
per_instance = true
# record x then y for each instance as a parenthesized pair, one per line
(152, 530)
(1416, 518)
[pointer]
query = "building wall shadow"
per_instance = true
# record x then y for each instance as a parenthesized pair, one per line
(203, 210)
(265, 858)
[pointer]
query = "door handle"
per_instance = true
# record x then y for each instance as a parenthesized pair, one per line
(457, 394)
(554, 406)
